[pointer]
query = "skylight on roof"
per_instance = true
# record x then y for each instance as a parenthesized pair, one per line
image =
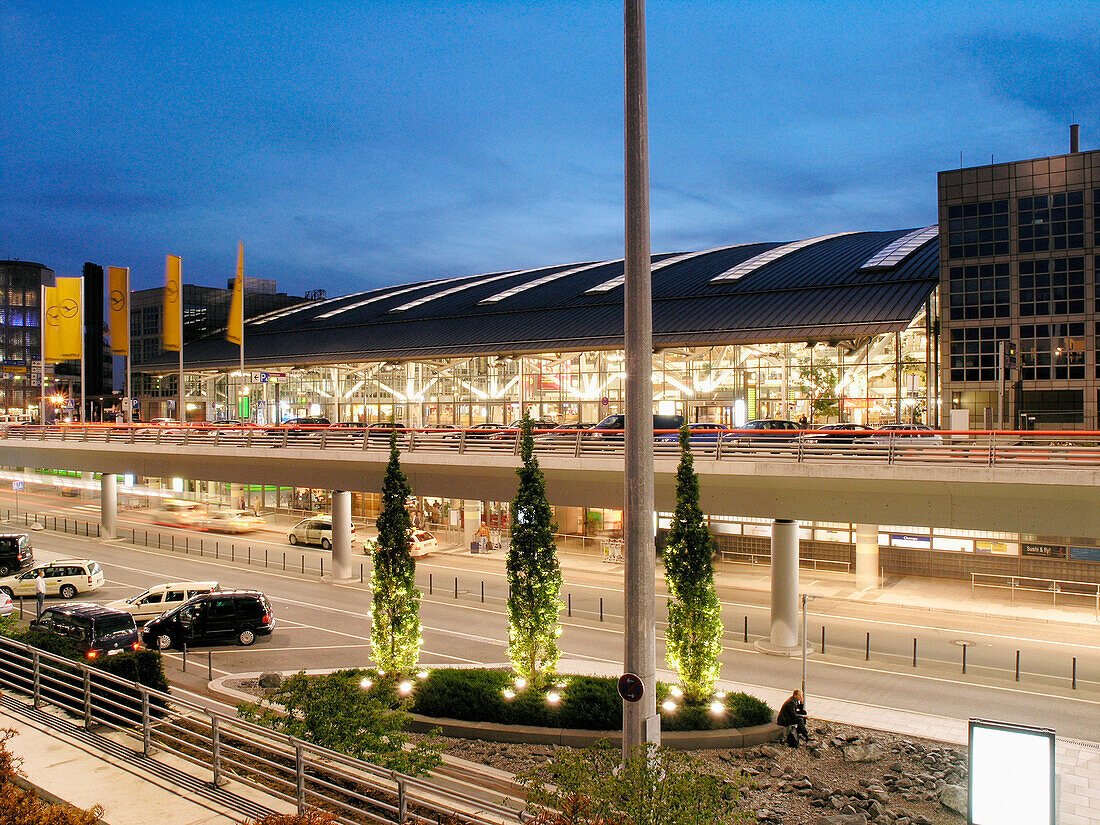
(619, 280)
(545, 279)
(897, 251)
(389, 293)
(282, 313)
(756, 261)
(437, 295)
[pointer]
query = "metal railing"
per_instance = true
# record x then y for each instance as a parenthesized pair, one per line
(301, 773)
(1031, 584)
(741, 557)
(1063, 450)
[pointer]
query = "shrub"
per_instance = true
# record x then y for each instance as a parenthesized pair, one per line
(310, 817)
(591, 703)
(146, 667)
(475, 695)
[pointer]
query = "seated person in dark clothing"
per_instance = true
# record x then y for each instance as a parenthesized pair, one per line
(793, 716)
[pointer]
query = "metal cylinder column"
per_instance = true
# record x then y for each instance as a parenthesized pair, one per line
(866, 555)
(341, 535)
(108, 506)
(784, 595)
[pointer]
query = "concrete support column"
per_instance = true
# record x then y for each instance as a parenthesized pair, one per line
(108, 506)
(784, 595)
(471, 520)
(341, 535)
(86, 492)
(866, 555)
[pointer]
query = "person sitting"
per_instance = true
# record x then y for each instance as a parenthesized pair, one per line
(792, 716)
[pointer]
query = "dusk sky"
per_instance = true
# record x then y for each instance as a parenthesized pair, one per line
(355, 145)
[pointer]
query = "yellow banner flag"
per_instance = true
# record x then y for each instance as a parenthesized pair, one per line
(70, 318)
(234, 332)
(118, 308)
(173, 304)
(51, 320)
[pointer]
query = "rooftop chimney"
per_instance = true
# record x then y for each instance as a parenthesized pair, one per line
(1074, 139)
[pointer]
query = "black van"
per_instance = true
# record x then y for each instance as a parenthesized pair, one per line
(229, 615)
(612, 426)
(95, 630)
(15, 552)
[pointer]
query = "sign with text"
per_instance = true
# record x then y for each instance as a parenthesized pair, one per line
(1046, 551)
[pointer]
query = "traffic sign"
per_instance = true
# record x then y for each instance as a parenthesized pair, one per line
(68, 403)
(605, 401)
(631, 687)
(17, 486)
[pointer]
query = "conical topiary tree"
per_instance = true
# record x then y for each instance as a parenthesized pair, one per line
(693, 640)
(395, 611)
(534, 576)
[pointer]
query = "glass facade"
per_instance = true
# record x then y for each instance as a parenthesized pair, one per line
(20, 344)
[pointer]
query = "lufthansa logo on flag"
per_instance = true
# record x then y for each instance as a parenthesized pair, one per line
(173, 293)
(53, 316)
(70, 308)
(118, 300)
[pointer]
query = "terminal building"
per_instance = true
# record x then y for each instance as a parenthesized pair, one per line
(992, 311)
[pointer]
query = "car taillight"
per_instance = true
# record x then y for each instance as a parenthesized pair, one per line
(92, 654)
(135, 646)
(266, 619)
(89, 579)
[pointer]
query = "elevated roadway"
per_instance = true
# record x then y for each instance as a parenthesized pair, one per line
(1022, 483)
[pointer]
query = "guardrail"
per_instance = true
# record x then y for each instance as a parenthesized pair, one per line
(301, 773)
(1032, 584)
(741, 557)
(999, 448)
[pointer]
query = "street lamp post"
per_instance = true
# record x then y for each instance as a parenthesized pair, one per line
(641, 724)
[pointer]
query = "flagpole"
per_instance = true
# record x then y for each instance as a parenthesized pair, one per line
(42, 341)
(83, 401)
(128, 413)
(242, 331)
(182, 412)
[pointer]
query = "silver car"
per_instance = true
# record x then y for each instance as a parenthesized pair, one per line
(317, 530)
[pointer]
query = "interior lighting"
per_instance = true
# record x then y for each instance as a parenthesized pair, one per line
(365, 683)
(405, 688)
(668, 706)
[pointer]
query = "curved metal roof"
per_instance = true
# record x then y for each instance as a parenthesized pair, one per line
(817, 291)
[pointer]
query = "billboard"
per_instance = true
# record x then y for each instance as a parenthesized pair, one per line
(1002, 756)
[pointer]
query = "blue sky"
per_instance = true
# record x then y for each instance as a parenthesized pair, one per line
(354, 145)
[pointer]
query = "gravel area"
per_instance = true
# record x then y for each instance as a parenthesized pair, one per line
(843, 776)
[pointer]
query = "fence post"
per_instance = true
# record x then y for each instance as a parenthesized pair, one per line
(146, 728)
(402, 801)
(87, 696)
(215, 750)
(36, 668)
(300, 776)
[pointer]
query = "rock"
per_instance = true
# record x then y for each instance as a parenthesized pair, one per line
(879, 795)
(849, 810)
(861, 753)
(953, 797)
(770, 752)
(897, 767)
(271, 680)
(841, 819)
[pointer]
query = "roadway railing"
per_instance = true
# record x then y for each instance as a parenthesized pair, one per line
(295, 771)
(998, 448)
(1074, 590)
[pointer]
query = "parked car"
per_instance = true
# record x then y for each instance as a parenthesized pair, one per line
(895, 432)
(845, 433)
(421, 543)
(701, 433)
(161, 597)
(64, 577)
(316, 530)
(231, 521)
(611, 427)
(93, 629)
(763, 432)
(307, 421)
(7, 606)
(179, 513)
(15, 552)
(240, 615)
(382, 429)
(350, 425)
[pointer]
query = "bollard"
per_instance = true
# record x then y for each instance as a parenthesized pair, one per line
(867, 656)
(601, 608)
(303, 564)
(232, 552)
(250, 555)
(1074, 673)
(456, 587)
(173, 542)
(265, 558)
(184, 657)
(569, 604)
(284, 561)
(964, 659)
(360, 574)
(217, 549)
(210, 666)
(429, 584)
(20, 607)
(746, 629)
(201, 543)
(187, 545)
(159, 537)
(1017, 665)
(146, 538)
(483, 591)
(914, 651)
(823, 640)
(322, 567)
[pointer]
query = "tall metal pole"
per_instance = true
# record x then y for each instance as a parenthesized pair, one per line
(42, 341)
(83, 401)
(128, 413)
(1000, 385)
(641, 723)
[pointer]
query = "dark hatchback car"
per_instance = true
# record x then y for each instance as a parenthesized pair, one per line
(15, 552)
(95, 630)
(225, 616)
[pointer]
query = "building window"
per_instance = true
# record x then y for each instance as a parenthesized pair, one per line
(980, 292)
(1052, 287)
(1053, 406)
(974, 353)
(1052, 351)
(978, 230)
(1096, 217)
(1047, 222)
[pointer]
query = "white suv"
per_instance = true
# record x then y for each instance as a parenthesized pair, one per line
(316, 530)
(64, 577)
(161, 597)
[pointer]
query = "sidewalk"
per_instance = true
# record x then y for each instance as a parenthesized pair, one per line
(63, 762)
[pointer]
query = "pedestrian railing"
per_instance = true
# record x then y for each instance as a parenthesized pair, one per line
(1073, 590)
(1068, 450)
(227, 748)
(740, 557)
